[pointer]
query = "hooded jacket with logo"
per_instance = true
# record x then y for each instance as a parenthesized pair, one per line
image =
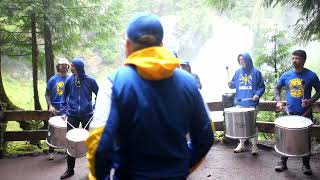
(77, 97)
(142, 117)
(248, 82)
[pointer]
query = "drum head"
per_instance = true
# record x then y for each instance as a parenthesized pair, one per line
(293, 122)
(57, 121)
(238, 109)
(77, 135)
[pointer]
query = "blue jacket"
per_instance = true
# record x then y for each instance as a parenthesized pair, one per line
(77, 98)
(144, 133)
(248, 82)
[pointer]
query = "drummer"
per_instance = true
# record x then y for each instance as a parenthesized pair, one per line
(249, 85)
(77, 103)
(185, 65)
(298, 82)
(54, 92)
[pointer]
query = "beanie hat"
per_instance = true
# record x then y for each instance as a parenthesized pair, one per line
(145, 25)
(63, 61)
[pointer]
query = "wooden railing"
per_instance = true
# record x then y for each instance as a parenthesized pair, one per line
(267, 127)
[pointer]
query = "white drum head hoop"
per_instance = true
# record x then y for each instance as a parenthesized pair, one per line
(77, 135)
(57, 121)
(293, 122)
(238, 109)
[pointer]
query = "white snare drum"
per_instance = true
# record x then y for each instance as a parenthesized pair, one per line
(293, 136)
(57, 132)
(75, 142)
(240, 122)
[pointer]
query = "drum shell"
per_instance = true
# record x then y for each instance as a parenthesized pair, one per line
(240, 125)
(293, 142)
(56, 136)
(76, 149)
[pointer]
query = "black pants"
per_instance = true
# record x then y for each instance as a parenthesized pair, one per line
(75, 122)
(305, 159)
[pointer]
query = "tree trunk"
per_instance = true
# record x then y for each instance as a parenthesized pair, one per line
(3, 96)
(48, 42)
(35, 62)
(49, 56)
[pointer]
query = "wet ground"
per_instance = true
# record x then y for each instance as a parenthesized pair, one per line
(220, 163)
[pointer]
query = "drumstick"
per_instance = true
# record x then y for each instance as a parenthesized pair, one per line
(245, 99)
(227, 68)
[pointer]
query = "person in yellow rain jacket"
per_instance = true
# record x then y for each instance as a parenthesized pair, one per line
(145, 110)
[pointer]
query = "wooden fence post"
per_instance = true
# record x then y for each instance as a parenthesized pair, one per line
(3, 126)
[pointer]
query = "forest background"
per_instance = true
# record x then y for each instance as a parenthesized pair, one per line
(210, 34)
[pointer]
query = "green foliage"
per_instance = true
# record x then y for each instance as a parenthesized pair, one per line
(273, 62)
(221, 5)
(308, 26)
(20, 91)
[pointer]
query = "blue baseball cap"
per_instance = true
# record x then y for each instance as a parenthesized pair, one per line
(145, 24)
(184, 62)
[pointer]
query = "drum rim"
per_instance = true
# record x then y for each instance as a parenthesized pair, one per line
(249, 108)
(303, 128)
(290, 155)
(234, 137)
(75, 153)
(281, 117)
(81, 129)
(54, 125)
(57, 147)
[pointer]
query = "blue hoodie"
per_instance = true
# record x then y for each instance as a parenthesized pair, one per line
(77, 100)
(248, 82)
(152, 106)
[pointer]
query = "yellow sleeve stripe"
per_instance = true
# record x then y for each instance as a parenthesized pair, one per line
(92, 143)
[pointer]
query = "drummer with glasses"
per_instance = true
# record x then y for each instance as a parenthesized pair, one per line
(249, 85)
(77, 103)
(299, 83)
(54, 92)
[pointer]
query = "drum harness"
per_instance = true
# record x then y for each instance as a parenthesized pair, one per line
(84, 126)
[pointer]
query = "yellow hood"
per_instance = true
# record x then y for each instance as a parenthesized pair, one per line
(154, 63)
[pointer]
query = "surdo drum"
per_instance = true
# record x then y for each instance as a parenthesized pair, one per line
(75, 142)
(240, 123)
(57, 132)
(293, 136)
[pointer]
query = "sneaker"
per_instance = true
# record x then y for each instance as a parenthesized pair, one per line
(51, 156)
(254, 150)
(67, 174)
(240, 148)
(281, 166)
(306, 170)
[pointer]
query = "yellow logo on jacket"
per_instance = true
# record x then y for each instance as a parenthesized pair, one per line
(245, 82)
(296, 87)
(59, 87)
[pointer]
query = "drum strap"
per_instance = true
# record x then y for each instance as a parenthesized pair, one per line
(84, 126)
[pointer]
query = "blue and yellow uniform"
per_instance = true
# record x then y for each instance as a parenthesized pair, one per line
(55, 89)
(298, 86)
(143, 113)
